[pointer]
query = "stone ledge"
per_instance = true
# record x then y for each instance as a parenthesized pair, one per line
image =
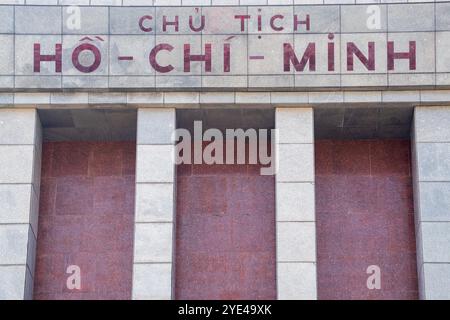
(125, 3)
(195, 99)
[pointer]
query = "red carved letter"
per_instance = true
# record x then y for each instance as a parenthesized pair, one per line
(306, 22)
(76, 54)
(38, 57)
(197, 29)
(369, 62)
(308, 56)
(226, 57)
(197, 57)
(272, 24)
(170, 23)
(152, 58)
(243, 18)
(392, 55)
(141, 23)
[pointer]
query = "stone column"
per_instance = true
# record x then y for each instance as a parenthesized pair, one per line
(431, 172)
(295, 207)
(20, 169)
(154, 232)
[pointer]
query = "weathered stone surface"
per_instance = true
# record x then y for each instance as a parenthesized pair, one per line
(296, 281)
(276, 44)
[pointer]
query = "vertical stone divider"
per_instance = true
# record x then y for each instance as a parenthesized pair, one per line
(20, 170)
(431, 175)
(295, 204)
(153, 262)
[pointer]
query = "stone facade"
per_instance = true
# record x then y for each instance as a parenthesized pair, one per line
(20, 160)
(221, 212)
(226, 48)
(357, 91)
(154, 214)
(295, 218)
(430, 139)
(369, 197)
(86, 219)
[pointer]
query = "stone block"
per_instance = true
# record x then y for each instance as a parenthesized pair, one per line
(176, 58)
(90, 63)
(38, 20)
(156, 126)
(360, 18)
(153, 242)
(267, 13)
(218, 17)
(7, 54)
(17, 126)
(93, 20)
(37, 82)
(432, 124)
(155, 163)
(436, 241)
(295, 125)
(274, 81)
(167, 2)
(424, 49)
(138, 49)
(125, 20)
(283, 98)
(434, 201)
(13, 243)
(154, 202)
(86, 82)
(145, 98)
(400, 17)
(6, 19)
(216, 97)
(181, 97)
(432, 162)
(295, 202)
(183, 14)
(364, 80)
(224, 81)
(238, 58)
(296, 242)
(296, 281)
(295, 162)
(16, 163)
(15, 200)
(253, 97)
(437, 281)
(442, 16)
(24, 60)
(259, 53)
(152, 281)
(414, 79)
(12, 282)
(323, 19)
(361, 42)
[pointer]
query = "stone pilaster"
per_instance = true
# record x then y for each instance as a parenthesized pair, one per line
(153, 263)
(431, 171)
(295, 204)
(20, 169)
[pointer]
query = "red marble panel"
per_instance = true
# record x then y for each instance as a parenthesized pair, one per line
(225, 237)
(364, 209)
(86, 219)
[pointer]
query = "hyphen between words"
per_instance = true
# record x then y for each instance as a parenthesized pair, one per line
(302, 56)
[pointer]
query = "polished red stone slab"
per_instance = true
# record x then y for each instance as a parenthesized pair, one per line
(86, 218)
(225, 234)
(365, 216)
